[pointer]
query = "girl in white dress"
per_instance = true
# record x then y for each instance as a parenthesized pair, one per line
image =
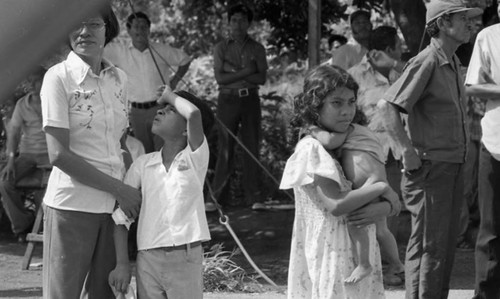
(322, 256)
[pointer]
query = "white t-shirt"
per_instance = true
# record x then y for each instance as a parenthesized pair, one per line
(94, 110)
(172, 211)
(484, 67)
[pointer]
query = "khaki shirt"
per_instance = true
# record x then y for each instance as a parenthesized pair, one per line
(431, 92)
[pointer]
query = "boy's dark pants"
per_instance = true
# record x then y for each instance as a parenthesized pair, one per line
(488, 238)
(433, 195)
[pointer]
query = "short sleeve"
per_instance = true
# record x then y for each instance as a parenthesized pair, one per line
(17, 119)
(174, 56)
(479, 64)
(133, 176)
(55, 107)
(407, 90)
(311, 159)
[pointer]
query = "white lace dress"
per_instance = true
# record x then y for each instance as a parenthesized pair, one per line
(321, 256)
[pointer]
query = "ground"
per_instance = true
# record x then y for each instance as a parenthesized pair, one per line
(265, 235)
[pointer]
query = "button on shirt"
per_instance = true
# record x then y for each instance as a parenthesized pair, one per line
(431, 92)
(484, 68)
(172, 211)
(28, 116)
(372, 86)
(94, 110)
(143, 76)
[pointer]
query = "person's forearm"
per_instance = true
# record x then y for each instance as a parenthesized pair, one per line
(393, 125)
(258, 78)
(13, 137)
(181, 71)
(121, 244)
(484, 91)
(354, 199)
(84, 172)
(224, 78)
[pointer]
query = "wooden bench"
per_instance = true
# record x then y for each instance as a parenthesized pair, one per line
(37, 185)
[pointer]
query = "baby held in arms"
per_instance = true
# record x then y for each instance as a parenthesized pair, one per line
(362, 160)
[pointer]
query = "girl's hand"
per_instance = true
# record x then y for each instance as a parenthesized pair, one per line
(369, 214)
(120, 277)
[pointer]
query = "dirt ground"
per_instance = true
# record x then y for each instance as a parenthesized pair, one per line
(266, 236)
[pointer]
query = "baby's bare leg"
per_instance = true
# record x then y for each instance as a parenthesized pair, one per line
(388, 247)
(361, 242)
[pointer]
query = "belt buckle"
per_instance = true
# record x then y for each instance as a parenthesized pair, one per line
(243, 92)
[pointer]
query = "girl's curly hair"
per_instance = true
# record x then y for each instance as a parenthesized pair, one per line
(318, 83)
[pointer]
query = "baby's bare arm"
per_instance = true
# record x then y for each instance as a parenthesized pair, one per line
(328, 140)
(360, 168)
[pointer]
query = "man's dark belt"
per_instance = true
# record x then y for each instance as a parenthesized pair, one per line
(241, 92)
(145, 105)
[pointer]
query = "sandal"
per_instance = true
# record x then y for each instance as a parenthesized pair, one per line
(465, 246)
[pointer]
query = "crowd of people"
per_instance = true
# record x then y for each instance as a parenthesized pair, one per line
(376, 134)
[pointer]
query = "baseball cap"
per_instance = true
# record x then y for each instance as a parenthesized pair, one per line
(437, 8)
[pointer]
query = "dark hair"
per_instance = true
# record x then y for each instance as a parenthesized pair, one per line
(112, 26)
(318, 83)
(383, 37)
(207, 115)
(358, 14)
(336, 37)
(242, 9)
(137, 15)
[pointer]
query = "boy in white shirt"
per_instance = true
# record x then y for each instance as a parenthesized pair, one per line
(172, 222)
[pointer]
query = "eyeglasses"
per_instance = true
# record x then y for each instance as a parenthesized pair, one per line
(92, 25)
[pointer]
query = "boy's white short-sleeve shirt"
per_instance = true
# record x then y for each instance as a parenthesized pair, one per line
(172, 211)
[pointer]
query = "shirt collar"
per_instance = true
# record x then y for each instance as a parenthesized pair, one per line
(156, 157)
(441, 55)
(79, 69)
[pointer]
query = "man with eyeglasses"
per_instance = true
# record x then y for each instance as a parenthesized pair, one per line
(135, 58)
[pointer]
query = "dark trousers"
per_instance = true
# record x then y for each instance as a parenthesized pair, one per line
(240, 115)
(433, 195)
(25, 165)
(488, 238)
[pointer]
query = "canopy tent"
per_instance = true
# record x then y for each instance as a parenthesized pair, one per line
(30, 30)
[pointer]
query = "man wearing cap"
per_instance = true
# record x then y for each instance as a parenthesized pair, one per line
(434, 146)
(483, 80)
(347, 55)
(135, 58)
